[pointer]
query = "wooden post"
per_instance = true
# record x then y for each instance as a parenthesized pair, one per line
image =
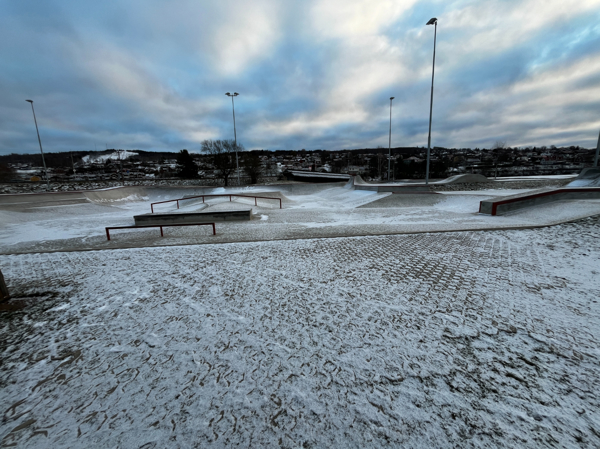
(3, 290)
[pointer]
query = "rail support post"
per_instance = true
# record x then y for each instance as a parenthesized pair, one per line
(107, 234)
(161, 232)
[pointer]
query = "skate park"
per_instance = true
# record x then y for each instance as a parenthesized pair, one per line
(77, 220)
(310, 305)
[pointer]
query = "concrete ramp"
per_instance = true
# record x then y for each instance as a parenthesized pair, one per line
(464, 179)
(589, 177)
(23, 201)
(503, 205)
(47, 199)
(405, 200)
(134, 193)
(361, 184)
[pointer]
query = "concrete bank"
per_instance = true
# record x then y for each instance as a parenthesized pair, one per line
(503, 205)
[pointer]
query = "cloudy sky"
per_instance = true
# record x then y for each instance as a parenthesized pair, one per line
(152, 74)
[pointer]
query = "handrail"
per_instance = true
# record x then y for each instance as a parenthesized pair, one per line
(222, 194)
(158, 226)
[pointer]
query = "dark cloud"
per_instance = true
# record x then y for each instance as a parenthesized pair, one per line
(151, 75)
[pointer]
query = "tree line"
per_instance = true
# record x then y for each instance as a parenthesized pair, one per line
(224, 156)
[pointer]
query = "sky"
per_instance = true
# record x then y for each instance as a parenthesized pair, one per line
(312, 74)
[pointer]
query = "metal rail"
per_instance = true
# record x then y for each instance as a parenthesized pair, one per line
(158, 226)
(223, 194)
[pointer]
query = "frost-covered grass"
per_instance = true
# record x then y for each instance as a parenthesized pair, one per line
(486, 339)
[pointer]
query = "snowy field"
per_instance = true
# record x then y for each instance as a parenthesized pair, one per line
(467, 339)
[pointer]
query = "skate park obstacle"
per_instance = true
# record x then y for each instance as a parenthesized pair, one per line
(500, 206)
(158, 226)
(217, 195)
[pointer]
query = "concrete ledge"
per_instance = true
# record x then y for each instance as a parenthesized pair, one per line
(500, 206)
(193, 217)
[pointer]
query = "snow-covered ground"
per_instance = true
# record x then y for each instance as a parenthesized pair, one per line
(486, 339)
(271, 336)
(116, 156)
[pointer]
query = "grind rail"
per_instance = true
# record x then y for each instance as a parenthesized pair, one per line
(216, 195)
(158, 226)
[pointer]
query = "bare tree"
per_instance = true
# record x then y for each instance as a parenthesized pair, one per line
(499, 145)
(252, 166)
(222, 154)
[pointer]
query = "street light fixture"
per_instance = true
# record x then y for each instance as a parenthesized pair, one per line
(40, 141)
(390, 143)
(432, 21)
(237, 163)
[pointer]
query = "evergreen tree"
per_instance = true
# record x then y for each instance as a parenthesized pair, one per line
(186, 165)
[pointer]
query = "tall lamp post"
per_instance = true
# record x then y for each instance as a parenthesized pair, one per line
(597, 151)
(237, 163)
(40, 141)
(390, 143)
(432, 21)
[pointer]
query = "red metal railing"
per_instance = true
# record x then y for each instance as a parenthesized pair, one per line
(158, 226)
(223, 194)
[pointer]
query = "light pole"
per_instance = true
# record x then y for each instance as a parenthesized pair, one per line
(237, 163)
(597, 151)
(432, 21)
(390, 143)
(40, 141)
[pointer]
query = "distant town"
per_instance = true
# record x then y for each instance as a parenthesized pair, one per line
(264, 165)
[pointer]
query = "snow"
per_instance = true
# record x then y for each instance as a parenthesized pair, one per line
(271, 334)
(464, 339)
(116, 156)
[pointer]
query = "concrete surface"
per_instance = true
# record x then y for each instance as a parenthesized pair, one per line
(456, 340)
(504, 205)
(310, 211)
(360, 184)
(589, 177)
